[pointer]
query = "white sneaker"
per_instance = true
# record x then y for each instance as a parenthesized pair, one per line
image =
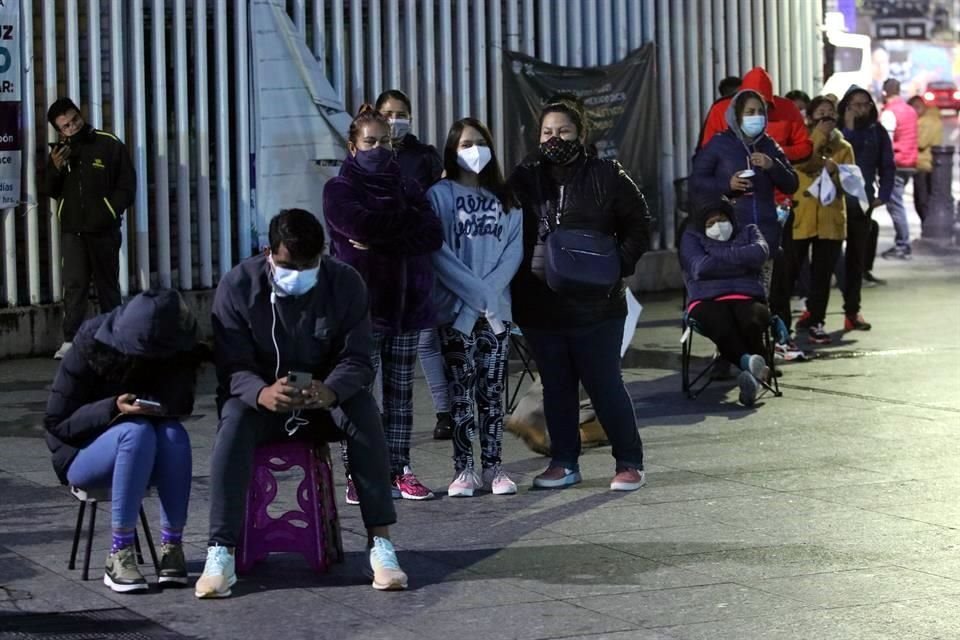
(464, 484)
(62, 351)
(219, 574)
(387, 574)
(497, 482)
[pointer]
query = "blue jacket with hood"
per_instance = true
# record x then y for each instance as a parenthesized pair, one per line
(151, 328)
(728, 153)
(872, 148)
(712, 268)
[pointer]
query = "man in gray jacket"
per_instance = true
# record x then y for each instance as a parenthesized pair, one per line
(293, 311)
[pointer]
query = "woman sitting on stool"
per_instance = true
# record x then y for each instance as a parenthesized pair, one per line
(722, 263)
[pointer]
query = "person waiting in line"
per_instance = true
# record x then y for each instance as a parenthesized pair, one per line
(816, 225)
(801, 99)
(929, 135)
(381, 224)
(89, 171)
(722, 261)
(483, 246)
(873, 153)
(728, 86)
(747, 165)
(419, 161)
(576, 336)
(291, 309)
(113, 421)
(900, 121)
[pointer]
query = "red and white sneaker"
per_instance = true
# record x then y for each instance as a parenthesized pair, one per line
(628, 480)
(409, 488)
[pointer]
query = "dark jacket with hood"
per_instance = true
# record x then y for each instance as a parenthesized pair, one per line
(392, 216)
(96, 186)
(418, 161)
(872, 148)
(712, 268)
(728, 153)
(325, 331)
(152, 343)
(588, 194)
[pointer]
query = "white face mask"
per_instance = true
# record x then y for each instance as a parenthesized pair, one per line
(721, 231)
(399, 127)
(291, 282)
(474, 158)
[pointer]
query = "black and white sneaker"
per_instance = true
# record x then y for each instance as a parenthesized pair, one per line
(173, 566)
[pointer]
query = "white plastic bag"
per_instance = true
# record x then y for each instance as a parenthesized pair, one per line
(634, 309)
(852, 182)
(823, 188)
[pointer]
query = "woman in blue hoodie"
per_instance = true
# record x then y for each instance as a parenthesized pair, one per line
(112, 422)
(481, 253)
(722, 262)
(745, 164)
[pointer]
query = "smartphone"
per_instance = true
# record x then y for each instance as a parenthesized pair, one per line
(300, 379)
(54, 145)
(148, 404)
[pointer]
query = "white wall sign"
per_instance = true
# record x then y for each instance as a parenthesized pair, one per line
(10, 143)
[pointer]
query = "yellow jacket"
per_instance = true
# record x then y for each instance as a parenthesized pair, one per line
(929, 133)
(810, 218)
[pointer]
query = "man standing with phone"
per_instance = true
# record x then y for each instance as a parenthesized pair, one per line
(292, 339)
(91, 174)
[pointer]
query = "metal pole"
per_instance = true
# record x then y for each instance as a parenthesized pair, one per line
(10, 256)
(668, 161)
(375, 42)
(393, 44)
(336, 58)
(759, 30)
(734, 62)
(464, 70)
(575, 28)
(72, 37)
(30, 151)
(118, 108)
(745, 33)
(496, 87)
(545, 33)
(621, 27)
(224, 188)
(430, 130)
(719, 43)
(648, 23)
(562, 39)
(161, 154)
(411, 43)
(202, 127)
(319, 28)
(357, 90)
(241, 107)
(480, 60)
(590, 26)
(788, 40)
(50, 90)
(606, 31)
(300, 17)
(817, 46)
(94, 80)
(513, 25)
(182, 110)
(446, 66)
(139, 93)
(529, 29)
(694, 107)
(707, 80)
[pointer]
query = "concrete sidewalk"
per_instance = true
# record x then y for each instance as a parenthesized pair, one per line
(828, 513)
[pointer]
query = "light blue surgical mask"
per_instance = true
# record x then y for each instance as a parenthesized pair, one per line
(291, 282)
(753, 125)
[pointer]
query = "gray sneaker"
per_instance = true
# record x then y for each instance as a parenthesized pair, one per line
(173, 566)
(122, 574)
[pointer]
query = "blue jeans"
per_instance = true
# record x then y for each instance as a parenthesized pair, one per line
(132, 455)
(897, 210)
(591, 355)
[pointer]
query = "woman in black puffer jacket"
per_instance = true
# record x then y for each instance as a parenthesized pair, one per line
(576, 337)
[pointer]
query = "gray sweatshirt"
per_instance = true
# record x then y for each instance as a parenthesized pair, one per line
(326, 331)
(481, 252)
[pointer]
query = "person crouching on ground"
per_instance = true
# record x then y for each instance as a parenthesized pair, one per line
(112, 421)
(481, 253)
(294, 310)
(722, 261)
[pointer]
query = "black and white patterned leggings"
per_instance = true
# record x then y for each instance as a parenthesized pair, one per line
(476, 365)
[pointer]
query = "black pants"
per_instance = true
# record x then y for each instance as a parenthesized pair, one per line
(591, 355)
(735, 326)
(922, 185)
(87, 255)
(241, 429)
(855, 258)
(825, 254)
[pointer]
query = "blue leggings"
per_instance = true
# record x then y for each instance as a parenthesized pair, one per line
(132, 455)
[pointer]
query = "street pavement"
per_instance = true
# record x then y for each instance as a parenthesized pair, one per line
(830, 512)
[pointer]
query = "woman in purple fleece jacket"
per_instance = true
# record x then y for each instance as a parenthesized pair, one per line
(382, 225)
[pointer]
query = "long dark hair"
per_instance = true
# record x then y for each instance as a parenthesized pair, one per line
(491, 178)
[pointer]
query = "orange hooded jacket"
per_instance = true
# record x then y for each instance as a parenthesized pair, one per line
(784, 122)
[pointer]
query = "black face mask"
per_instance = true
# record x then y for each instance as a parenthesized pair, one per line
(862, 122)
(559, 151)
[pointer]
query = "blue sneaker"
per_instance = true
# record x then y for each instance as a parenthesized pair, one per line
(387, 574)
(219, 574)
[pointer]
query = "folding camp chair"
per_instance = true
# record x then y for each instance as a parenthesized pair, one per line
(519, 346)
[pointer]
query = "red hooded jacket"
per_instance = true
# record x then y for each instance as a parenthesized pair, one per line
(784, 122)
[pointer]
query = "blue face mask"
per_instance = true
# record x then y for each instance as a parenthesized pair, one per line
(291, 282)
(374, 160)
(753, 125)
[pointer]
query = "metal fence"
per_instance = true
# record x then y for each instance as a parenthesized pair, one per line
(171, 78)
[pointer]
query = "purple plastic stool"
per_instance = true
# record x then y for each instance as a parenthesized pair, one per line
(319, 540)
